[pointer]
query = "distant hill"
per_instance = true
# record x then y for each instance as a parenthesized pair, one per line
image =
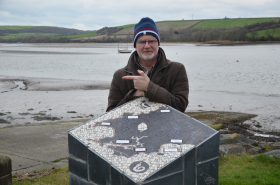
(239, 29)
(232, 23)
(204, 24)
(41, 29)
(13, 32)
(162, 26)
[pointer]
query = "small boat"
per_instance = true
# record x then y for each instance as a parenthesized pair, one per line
(124, 51)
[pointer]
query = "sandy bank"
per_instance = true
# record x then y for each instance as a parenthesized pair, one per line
(45, 84)
(47, 52)
(26, 101)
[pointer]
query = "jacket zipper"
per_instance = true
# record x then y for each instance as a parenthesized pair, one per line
(129, 72)
(159, 71)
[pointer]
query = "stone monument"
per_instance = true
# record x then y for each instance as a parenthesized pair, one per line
(143, 142)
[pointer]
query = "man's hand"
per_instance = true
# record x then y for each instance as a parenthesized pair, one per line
(138, 93)
(140, 82)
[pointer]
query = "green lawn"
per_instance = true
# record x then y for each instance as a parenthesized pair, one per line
(12, 36)
(81, 35)
(230, 23)
(240, 169)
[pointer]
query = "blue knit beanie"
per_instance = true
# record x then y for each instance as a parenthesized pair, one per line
(146, 26)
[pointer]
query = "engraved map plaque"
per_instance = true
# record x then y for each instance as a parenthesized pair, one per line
(144, 143)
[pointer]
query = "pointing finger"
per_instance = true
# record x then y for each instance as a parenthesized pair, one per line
(129, 77)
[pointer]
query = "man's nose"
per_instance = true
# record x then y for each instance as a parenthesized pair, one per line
(147, 45)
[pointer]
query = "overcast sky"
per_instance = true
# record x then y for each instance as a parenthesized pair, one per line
(95, 14)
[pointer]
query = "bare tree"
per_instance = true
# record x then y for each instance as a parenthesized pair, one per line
(273, 28)
(267, 33)
(254, 34)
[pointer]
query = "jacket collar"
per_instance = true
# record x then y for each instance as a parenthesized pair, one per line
(132, 67)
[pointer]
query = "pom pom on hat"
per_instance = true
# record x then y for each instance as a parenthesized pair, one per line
(146, 26)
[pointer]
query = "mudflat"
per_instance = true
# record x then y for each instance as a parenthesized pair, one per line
(33, 100)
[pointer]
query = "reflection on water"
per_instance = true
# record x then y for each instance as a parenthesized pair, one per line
(248, 69)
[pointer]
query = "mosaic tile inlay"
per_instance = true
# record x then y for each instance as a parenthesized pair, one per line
(141, 137)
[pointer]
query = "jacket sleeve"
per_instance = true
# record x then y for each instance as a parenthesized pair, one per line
(116, 96)
(177, 97)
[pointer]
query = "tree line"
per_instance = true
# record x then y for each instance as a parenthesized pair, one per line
(246, 33)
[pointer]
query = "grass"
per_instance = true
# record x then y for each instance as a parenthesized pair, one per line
(12, 36)
(248, 170)
(240, 169)
(262, 33)
(59, 176)
(230, 23)
(14, 27)
(216, 127)
(175, 24)
(81, 35)
(60, 159)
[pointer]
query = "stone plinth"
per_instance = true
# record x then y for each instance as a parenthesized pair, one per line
(143, 142)
(5, 170)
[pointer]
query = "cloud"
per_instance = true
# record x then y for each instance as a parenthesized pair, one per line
(93, 14)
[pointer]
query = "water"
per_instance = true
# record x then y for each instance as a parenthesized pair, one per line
(20, 84)
(211, 68)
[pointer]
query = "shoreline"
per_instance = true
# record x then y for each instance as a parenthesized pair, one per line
(47, 52)
(233, 43)
(51, 84)
(36, 100)
(115, 44)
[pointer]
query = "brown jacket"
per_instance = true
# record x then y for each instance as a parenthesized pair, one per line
(168, 84)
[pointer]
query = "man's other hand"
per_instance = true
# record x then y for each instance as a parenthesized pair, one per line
(140, 82)
(138, 93)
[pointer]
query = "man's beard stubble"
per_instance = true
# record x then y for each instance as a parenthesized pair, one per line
(149, 57)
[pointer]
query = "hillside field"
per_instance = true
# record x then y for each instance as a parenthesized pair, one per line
(215, 23)
(262, 33)
(170, 30)
(231, 23)
(14, 27)
(13, 36)
(19, 32)
(163, 25)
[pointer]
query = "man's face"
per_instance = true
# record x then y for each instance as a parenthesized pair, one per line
(145, 50)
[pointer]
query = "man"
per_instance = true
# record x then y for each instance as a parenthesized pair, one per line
(149, 74)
